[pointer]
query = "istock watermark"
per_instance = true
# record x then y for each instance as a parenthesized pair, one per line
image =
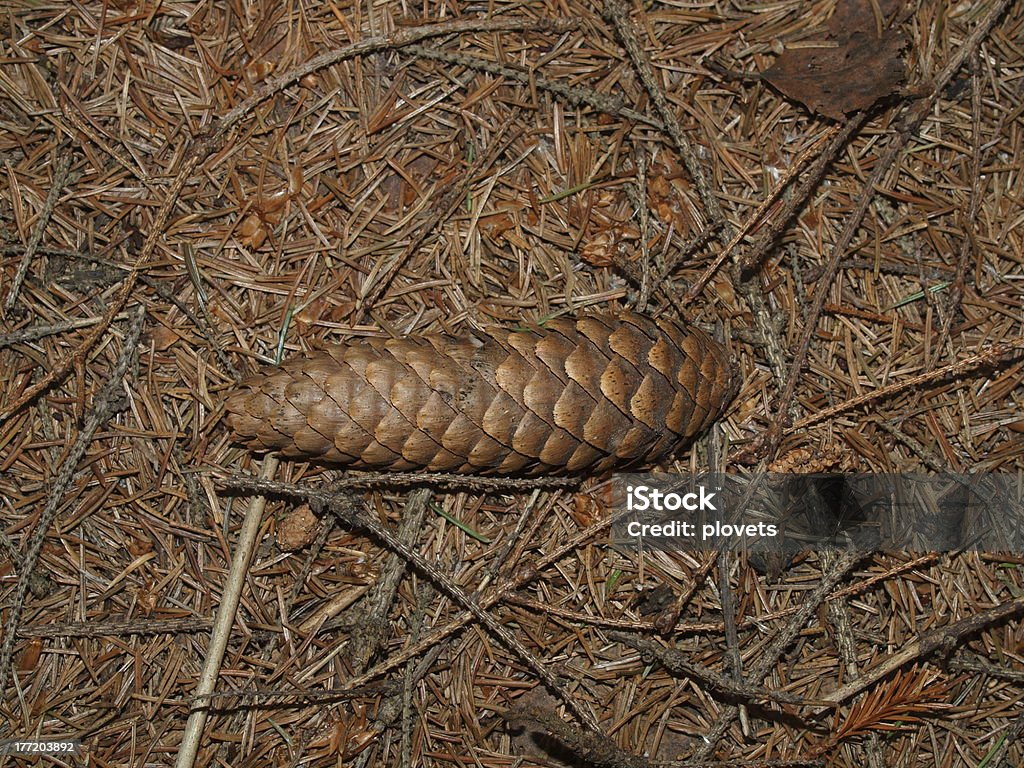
(789, 513)
(641, 498)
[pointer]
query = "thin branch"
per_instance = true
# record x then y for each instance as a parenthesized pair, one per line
(572, 94)
(225, 619)
(107, 402)
(925, 645)
(523, 574)
(352, 516)
(837, 566)
(678, 663)
(117, 628)
(60, 178)
(912, 119)
(618, 14)
(809, 181)
(36, 332)
(370, 480)
(988, 356)
(397, 39)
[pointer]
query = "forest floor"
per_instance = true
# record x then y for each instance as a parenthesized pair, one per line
(192, 190)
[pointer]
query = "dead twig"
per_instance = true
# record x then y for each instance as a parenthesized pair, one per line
(618, 14)
(36, 332)
(117, 628)
(242, 555)
(986, 357)
(476, 608)
(398, 39)
(108, 401)
(591, 748)
(603, 752)
(371, 621)
(370, 480)
(352, 517)
(571, 94)
(842, 635)
(271, 697)
(925, 645)
(809, 181)
(837, 566)
(523, 574)
(61, 171)
(914, 115)
(678, 663)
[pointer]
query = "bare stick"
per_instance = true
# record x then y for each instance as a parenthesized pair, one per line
(678, 663)
(398, 39)
(117, 628)
(353, 517)
(522, 575)
(35, 332)
(840, 565)
(809, 180)
(224, 621)
(367, 480)
(572, 94)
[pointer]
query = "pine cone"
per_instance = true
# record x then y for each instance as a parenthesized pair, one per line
(585, 393)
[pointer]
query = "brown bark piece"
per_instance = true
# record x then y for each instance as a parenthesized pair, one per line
(862, 67)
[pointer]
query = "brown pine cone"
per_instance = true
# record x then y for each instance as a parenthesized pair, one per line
(580, 393)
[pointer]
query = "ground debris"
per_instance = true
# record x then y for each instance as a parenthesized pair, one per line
(859, 63)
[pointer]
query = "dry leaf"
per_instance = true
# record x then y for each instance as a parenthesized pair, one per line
(257, 71)
(599, 250)
(251, 232)
(857, 69)
(585, 509)
(146, 597)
